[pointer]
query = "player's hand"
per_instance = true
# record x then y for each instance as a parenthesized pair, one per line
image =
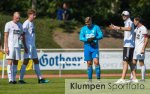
(7, 50)
(143, 51)
(90, 40)
(93, 44)
(21, 37)
(111, 27)
(116, 27)
(26, 50)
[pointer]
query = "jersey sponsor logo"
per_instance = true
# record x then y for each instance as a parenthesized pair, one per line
(17, 32)
(90, 35)
(138, 36)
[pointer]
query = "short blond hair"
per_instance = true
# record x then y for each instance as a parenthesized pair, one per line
(16, 13)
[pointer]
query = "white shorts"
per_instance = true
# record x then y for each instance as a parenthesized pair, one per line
(14, 53)
(137, 55)
(32, 53)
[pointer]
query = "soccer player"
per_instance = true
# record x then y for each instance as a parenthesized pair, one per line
(90, 34)
(129, 43)
(30, 48)
(141, 41)
(13, 31)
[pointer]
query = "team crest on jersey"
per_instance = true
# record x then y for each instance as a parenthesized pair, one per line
(93, 31)
(86, 31)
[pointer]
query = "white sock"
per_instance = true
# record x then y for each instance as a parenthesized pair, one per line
(9, 72)
(131, 76)
(14, 72)
(37, 70)
(143, 69)
(22, 71)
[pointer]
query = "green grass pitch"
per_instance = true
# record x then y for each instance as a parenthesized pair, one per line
(55, 86)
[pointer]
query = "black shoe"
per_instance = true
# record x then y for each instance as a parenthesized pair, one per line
(43, 81)
(14, 82)
(21, 82)
(11, 82)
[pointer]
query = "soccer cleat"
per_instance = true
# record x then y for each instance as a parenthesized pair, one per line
(135, 81)
(14, 82)
(98, 80)
(132, 81)
(11, 82)
(142, 80)
(129, 81)
(43, 81)
(89, 81)
(120, 81)
(21, 82)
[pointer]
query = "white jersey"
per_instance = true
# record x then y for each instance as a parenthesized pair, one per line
(15, 30)
(129, 40)
(139, 40)
(29, 29)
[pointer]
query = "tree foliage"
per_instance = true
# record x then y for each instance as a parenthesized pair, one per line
(102, 11)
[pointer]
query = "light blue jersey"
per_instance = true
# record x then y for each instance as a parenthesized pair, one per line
(86, 32)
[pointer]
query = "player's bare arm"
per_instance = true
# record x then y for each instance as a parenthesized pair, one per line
(6, 42)
(24, 43)
(145, 43)
(121, 28)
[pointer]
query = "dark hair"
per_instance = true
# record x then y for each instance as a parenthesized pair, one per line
(139, 18)
(31, 11)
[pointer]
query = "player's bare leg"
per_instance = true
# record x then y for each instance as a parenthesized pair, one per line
(133, 71)
(131, 67)
(125, 69)
(143, 69)
(97, 68)
(38, 71)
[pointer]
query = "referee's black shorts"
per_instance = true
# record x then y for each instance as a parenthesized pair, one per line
(128, 54)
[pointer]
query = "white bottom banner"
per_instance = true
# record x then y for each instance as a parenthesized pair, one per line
(75, 60)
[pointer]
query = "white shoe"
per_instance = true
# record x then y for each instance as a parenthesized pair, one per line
(129, 81)
(132, 81)
(120, 81)
(89, 81)
(99, 81)
(135, 81)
